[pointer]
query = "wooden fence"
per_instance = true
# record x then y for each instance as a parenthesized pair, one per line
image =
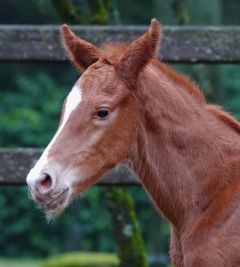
(42, 44)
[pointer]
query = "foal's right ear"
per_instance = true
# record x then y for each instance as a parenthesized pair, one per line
(139, 53)
(82, 53)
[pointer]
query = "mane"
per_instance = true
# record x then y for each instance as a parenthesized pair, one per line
(182, 80)
(113, 52)
(224, 117)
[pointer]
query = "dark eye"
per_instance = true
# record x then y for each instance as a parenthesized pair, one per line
(102, 114)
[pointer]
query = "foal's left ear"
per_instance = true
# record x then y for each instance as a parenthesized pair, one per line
(139, 53)
(82, 53)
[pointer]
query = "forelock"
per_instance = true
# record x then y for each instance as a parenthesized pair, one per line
(113, 52)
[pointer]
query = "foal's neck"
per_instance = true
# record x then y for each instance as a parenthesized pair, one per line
(177, 148)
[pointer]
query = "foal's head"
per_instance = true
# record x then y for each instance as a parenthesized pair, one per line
(99, 119)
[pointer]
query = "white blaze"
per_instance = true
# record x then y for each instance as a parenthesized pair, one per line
(73, 100)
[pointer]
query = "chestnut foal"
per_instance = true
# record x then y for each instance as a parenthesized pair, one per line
(129, 106)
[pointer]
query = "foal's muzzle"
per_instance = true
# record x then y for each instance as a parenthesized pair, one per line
(43, 192)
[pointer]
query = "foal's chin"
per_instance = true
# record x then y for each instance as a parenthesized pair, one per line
(58, 206)
(52, 214)
(57, 209)
(55, 206)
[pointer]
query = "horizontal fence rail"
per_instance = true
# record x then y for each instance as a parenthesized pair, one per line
(179, 44)
(16, 163)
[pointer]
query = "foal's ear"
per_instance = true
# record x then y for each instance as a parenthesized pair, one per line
(82, 53)
(139, 53)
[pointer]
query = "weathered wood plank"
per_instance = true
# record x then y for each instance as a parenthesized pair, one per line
(16, 163)
(179, 44)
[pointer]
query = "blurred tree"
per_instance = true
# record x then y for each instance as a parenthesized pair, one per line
(180, 12)
(25, 233)
(24, 106)
(198, 14)
(81, 11)
(68, 12)
(131, 249)
(230, 12)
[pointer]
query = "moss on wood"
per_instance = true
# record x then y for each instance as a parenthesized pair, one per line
(131, 249)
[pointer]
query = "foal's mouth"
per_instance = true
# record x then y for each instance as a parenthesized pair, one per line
(58, 200)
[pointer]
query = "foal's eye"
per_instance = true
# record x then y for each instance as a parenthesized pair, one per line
(102, 113)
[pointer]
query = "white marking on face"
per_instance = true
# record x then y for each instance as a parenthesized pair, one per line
(73, 100)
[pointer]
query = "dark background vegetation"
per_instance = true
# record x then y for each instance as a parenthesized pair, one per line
(30, 102)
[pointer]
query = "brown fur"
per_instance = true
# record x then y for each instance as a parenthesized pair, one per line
(186, 152)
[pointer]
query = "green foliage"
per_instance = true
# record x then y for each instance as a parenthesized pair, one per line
(29, 114)
(84, 226)
(231, 93)
(67, 11)
(7, 262)
(80, 11)
(82, 260)
(180, 12)
(27, 12)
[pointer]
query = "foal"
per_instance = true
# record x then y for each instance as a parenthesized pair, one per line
(129, 106)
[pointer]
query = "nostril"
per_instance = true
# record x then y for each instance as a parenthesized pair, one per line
(45, 182)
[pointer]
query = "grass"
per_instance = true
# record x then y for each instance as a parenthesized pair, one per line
(74, 259)
(83, 259)
(7, 262)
